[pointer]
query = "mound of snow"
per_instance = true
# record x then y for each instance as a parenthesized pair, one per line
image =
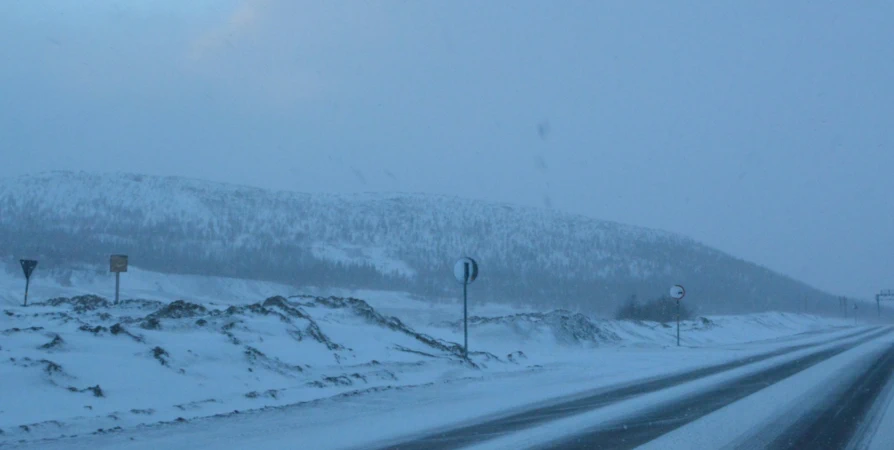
(100, 363)
(76, 364)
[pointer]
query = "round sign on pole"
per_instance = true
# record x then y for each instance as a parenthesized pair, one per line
(677, 292)
(465, 270)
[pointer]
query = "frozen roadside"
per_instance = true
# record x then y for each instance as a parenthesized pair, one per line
(666, 413)
(350, 420)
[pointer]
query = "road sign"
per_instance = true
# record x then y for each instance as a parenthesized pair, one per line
(878, 299)
(465, 270)
(28, 266)
(118, 263)
(677, 292)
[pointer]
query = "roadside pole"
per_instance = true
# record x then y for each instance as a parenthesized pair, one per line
(466, 272)
(117, 264)
(466, 309)
(28, 266)
(678, 322)
(883, 294)
(677, 293)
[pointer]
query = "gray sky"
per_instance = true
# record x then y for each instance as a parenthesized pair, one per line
(763, 128)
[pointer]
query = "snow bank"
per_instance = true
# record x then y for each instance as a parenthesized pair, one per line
(148, 361)
(77, 364)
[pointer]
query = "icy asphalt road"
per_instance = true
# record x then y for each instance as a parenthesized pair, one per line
(835, 396)
(458, 438)
(826, 391)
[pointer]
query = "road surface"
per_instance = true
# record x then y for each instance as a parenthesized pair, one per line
(841, 417)
(829, 390)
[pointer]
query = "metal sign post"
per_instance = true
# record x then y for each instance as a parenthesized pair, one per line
(466, 271)
(885, 293)
(28, 266)
(117, 264)
(677, 293)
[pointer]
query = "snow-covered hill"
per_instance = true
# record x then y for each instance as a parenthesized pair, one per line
(375, 241)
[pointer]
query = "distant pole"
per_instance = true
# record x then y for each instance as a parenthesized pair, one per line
(844, 302)
(27, 284)
(117, 285)
(466, 310)
(878, 305)
(678, 322)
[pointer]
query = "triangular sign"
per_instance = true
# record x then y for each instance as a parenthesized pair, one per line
(28, 266)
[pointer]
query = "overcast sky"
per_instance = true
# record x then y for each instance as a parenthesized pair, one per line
(763, 128)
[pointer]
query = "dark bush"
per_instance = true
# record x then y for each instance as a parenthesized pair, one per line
(662, 309)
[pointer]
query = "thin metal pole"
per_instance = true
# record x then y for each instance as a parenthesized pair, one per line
(466, 310)
(678, 323)
(117, 285)
(878, 306)
(27, 284)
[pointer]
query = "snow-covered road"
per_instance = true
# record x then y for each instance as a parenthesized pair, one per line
(827, 397)
(758, 397)
(338, 372)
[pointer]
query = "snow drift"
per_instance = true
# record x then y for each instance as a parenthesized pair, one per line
(72, 365)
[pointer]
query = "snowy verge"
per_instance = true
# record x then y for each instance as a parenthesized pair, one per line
(74, 365)
(359, 421)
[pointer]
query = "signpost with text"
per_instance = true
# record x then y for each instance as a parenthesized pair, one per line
(117, 264)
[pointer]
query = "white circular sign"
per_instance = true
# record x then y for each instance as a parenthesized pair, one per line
(465, 270)
(677, 292)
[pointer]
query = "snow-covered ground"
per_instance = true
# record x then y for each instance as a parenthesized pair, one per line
(182, 348)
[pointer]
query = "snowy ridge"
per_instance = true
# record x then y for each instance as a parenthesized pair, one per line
(165, 361)
(104, 366)
(371, 241)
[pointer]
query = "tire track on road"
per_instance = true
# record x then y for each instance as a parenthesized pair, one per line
(835, 426)
(490, 429)
(637, 430)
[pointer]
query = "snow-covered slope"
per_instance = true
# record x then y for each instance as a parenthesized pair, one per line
(377, 241)
(72, 365)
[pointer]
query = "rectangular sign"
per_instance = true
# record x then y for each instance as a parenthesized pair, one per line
(118, 263)
(28, 266)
